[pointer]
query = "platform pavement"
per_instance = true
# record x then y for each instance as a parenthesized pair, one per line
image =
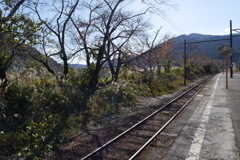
(212, 131)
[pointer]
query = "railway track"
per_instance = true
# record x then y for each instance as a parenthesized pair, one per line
(131, 142)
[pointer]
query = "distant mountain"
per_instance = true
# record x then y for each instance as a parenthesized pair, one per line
(210, 48)
(78, 65)
(208, 44)
(85, 66)
(28, 54)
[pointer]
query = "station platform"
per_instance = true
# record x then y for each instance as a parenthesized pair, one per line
(209, 128)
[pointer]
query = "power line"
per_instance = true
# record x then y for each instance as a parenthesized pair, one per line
(171, 23)
(175, 25)
(164, 17)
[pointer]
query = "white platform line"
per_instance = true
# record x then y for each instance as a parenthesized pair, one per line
(195, 148)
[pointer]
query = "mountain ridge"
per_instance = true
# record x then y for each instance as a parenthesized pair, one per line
(210, 48)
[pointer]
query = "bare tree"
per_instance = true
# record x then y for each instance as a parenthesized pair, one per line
(56, 28)
(152, 60)
(166, 54)
(195, 58)
(100, 30)
(105, 34)
(194, 55)
(157, 54)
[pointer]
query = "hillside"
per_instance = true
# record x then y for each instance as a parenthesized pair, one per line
(78, 65)
(23, 57)
(210, 48)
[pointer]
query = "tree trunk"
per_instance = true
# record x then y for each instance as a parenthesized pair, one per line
(167, 66)
(94, 79)
(3, 78)
(150, 84)
(95, 72)
(2, 74)
(159, 69)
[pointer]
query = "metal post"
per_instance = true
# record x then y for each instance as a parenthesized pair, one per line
(231, 61)
(185, 61)
(226, 73)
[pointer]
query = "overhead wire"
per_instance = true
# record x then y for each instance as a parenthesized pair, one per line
(155, 10)
(171, 23)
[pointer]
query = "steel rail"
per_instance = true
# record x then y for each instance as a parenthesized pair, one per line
(140, 122)
(164, 126)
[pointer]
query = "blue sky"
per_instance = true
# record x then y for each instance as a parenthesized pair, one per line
(200, 16)
(194, 16)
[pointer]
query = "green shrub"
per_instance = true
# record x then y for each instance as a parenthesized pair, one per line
(32, 109)
(109, 98)
(74, 124)
(32, 141)
(40, 137)
(178, 71)
(37, 112)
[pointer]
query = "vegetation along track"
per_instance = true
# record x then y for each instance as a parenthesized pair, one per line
(131, 142)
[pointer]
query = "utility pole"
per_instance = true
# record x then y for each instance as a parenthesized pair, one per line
(231, 61)
(185, 62)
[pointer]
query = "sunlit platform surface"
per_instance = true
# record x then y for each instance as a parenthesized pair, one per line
(209, 128)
